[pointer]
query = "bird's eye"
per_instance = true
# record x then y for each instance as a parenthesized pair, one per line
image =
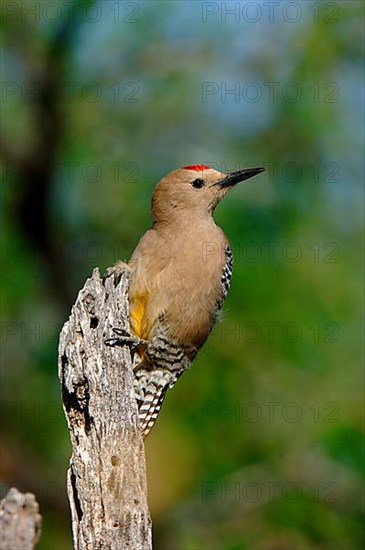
(198, 183)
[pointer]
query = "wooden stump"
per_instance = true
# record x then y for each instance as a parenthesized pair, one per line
(20, 521)
(106, 483)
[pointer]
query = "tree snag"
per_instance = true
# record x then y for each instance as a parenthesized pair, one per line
(106, 481)
(20, 521)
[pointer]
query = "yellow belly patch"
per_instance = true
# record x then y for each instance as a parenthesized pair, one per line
(137, 310)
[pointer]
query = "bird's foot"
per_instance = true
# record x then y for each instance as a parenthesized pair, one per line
(123, 338)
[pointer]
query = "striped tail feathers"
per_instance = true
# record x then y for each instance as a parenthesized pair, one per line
(150, 388)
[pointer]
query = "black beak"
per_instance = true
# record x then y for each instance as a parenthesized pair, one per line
(241, 175)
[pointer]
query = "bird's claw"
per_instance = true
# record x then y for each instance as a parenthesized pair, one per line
(124, 339)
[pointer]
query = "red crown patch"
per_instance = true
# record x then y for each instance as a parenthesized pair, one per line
(196, 167)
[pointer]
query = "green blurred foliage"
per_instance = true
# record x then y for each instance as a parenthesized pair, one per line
(260, 446)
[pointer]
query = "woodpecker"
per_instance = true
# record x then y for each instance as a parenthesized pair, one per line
(180, 274)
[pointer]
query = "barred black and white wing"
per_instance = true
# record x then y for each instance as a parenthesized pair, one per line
(226, 276)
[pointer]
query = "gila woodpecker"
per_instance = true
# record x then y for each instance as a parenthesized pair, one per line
(180, 273)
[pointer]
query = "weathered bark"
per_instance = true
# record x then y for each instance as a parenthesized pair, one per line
(20, 521)
(106, 484)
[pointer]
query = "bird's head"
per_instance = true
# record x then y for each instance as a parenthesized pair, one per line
(194, 190)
